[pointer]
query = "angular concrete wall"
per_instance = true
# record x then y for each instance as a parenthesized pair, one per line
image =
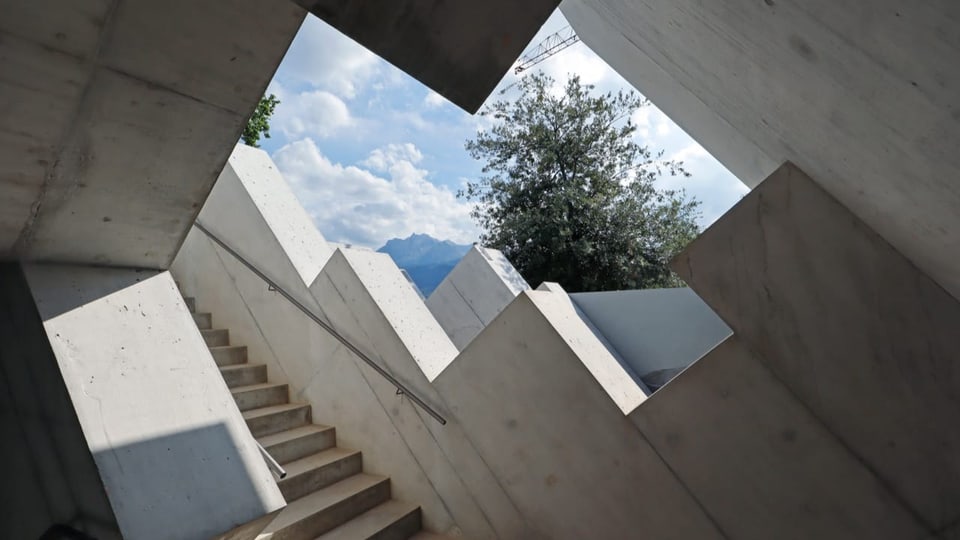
(114, 132)
(725, 450)
(860, 94)
(368, 300)
(549, 435)
(861, 336)
(657, 332)
(365, 296)
(759, 463)
(474, 292)
(49, 473)
(546, 408)
(174, 454)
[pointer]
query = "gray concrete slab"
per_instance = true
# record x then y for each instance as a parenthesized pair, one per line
(459, 49)
(864, 339)
(760, 464)
(118, 117)
(543, 411)
(860, 94)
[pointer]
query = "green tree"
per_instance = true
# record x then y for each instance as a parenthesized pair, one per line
(259, 122)
(568, 193)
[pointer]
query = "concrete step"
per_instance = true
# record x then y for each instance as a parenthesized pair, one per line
(296, 443)
(318, 471)
(328, 508)
(256, 396)
(277, 418)
(392, 520)
(216, 337)
(204, 320)
(244, 374)
(191, 303)
(229, 355)
(425, 535)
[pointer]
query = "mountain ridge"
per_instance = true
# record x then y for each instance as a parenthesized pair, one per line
(426, 259)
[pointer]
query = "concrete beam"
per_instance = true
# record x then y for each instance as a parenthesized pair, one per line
(121, 116)
(459, 49)
(862, 337)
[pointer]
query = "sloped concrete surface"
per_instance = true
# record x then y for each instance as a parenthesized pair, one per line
(861, 336)
(119, 116)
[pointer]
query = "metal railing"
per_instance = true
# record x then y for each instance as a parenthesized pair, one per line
(401, 389)
(271, 463)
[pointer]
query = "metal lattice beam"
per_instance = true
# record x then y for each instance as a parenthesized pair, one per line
(550, 46)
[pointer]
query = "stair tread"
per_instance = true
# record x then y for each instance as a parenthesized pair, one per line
(290, 434)
(254, 387)
(245, 365)
(372, 521)
(323, 498)
(315, 461)
(426, 535)
(273, 409)
(225, 347)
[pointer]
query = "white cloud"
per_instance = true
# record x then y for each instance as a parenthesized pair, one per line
(321, 57)
(353, 204)
(434, 100)
(690, 152)
(382, 159)
(316, 113)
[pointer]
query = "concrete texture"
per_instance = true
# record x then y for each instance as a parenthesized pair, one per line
(857, 332)
(253, 170)
(119, 116)
(860, 95)
(474, 292)
(459, 49)
(169, 444)
(49, 473)
(572, 462)
(654, 330)
(759, 462)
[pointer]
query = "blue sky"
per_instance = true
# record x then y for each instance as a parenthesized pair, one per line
(373, 154)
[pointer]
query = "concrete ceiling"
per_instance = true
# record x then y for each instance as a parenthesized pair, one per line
(116, 117)
(460, 49)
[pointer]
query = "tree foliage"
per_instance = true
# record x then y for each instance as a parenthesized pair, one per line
(259, 122)
(568, 193)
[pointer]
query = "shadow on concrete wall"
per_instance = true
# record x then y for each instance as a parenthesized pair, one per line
(181, 503)
(72, 295)
(49, 474)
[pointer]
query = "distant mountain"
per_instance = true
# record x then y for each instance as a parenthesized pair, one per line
(425, 258)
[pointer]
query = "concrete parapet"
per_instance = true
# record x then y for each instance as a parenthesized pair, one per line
(474, 292)
(546, 406)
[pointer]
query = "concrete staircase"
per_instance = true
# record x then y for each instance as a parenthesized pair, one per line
(328, 495)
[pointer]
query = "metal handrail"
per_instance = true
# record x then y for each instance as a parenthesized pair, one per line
(272, 463)
(401, 389)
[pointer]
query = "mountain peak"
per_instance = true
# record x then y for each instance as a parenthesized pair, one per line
(420, 252)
